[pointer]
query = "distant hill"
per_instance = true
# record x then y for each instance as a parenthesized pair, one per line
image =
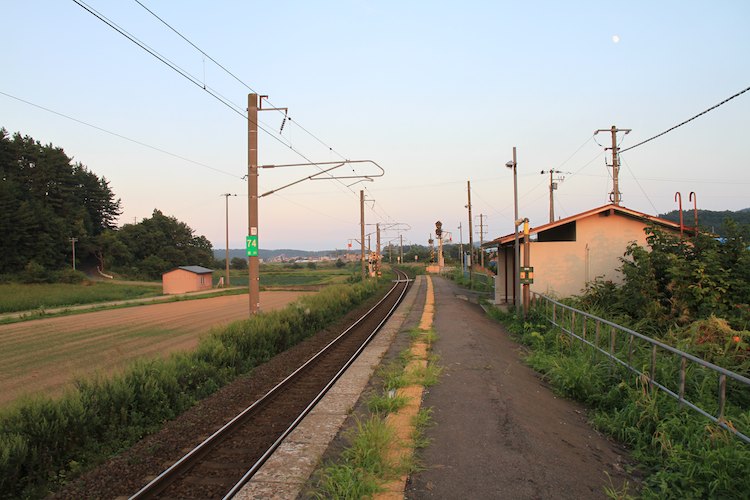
(712, 220)
(219, 254)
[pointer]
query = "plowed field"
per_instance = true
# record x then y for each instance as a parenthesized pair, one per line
(46, 355)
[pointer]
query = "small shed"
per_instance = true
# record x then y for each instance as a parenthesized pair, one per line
(187, 279)
(569, 253)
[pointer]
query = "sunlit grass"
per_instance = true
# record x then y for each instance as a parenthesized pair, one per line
(21, 297)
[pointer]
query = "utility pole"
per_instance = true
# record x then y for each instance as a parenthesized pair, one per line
(615, 196)
(226, 241)
(377, 246)
(552, 188)
(481, 238)
(513, 164)
(362, 230)
(253, 263)
(401, 247)
(461, 246)
(527, 265)
(73, 242)
(471, 238)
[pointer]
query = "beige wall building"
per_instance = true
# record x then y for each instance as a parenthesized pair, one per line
(569, 253)
(187, 279)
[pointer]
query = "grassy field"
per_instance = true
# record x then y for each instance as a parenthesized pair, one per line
(283, 275)
(18, 297)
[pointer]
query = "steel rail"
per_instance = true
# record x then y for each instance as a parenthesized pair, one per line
(163, 480)
(249, 474)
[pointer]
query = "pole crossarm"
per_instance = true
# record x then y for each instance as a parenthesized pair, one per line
(318, 176)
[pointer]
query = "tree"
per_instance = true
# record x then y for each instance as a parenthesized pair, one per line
(238, 263)
(159, 243)
(45, 199)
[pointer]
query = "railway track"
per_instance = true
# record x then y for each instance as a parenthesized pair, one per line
(226, 460)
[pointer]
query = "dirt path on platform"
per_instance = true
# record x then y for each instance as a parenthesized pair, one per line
(46, 355)
(500, 431)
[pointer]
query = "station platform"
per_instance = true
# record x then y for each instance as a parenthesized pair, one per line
(499, 431)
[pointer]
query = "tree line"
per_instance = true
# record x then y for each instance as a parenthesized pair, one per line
(47, 200)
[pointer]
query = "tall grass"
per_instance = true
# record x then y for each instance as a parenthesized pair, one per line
(44, 441)
(683, 454)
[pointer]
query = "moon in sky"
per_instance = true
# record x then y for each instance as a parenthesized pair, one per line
(616, 38)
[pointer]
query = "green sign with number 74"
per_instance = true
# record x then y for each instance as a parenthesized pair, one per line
(251, 243)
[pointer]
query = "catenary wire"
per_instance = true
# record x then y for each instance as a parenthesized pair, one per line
(193, 80)
(295, 122)
(121, 136)
(688, 120)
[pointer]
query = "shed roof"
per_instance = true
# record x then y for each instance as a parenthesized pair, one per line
(612, 208)
(196, 269)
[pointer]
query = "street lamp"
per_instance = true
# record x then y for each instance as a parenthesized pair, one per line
(516, 278)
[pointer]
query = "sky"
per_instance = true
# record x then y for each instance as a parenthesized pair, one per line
(436, 93)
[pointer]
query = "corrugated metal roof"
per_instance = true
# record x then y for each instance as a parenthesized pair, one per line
(196, 269)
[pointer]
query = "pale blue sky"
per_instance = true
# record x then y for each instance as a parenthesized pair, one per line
(437, 93)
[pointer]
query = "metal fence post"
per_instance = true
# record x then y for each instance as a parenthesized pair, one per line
(683, 371)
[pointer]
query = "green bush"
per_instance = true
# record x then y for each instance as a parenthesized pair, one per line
(683, 454)
(44, 441)
(34, 273)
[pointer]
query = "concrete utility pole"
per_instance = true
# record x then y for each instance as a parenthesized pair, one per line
(527, 265)
(253, 263)
(226, 241)
(552, 188)
(481, 238)
(461, 246)
(401, 247)
(615, 196)
(362, 230)
(377, 247)
(73, 242)
(471, 238)
(513, 164)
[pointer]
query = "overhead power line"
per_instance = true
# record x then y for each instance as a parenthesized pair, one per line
(189, 77)
(121, 136)
(687, 121)
(238, 79)
(286, 116)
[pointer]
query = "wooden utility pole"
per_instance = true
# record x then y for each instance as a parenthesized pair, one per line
(471, 237)
(362, 230)
(253, 264)
(615, 196)
(73, 242)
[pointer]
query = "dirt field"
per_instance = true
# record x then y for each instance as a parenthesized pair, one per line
(46, 355)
